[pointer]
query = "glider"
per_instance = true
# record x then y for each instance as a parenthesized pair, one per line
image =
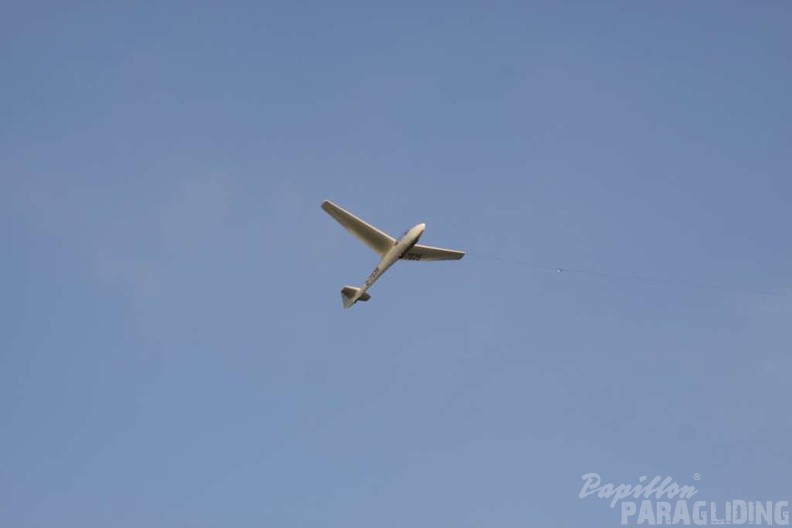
(388, 248)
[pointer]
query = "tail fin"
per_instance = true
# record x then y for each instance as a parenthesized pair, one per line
(349, 296)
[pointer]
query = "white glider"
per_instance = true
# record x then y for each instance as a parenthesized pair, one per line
(388, 248)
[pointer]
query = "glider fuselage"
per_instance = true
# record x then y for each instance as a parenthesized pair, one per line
(402, 246)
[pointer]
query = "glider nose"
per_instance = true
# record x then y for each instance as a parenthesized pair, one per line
(419, 231)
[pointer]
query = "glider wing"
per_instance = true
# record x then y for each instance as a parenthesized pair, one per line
(366, 233)
(419, 252)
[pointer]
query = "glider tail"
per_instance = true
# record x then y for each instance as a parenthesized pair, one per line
(349, 296)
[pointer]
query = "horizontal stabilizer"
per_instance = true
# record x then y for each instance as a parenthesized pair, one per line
(349, 296)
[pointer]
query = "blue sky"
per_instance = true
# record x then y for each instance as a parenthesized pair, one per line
(174, 351)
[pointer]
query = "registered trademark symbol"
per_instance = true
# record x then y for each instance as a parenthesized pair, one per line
(696, 476)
